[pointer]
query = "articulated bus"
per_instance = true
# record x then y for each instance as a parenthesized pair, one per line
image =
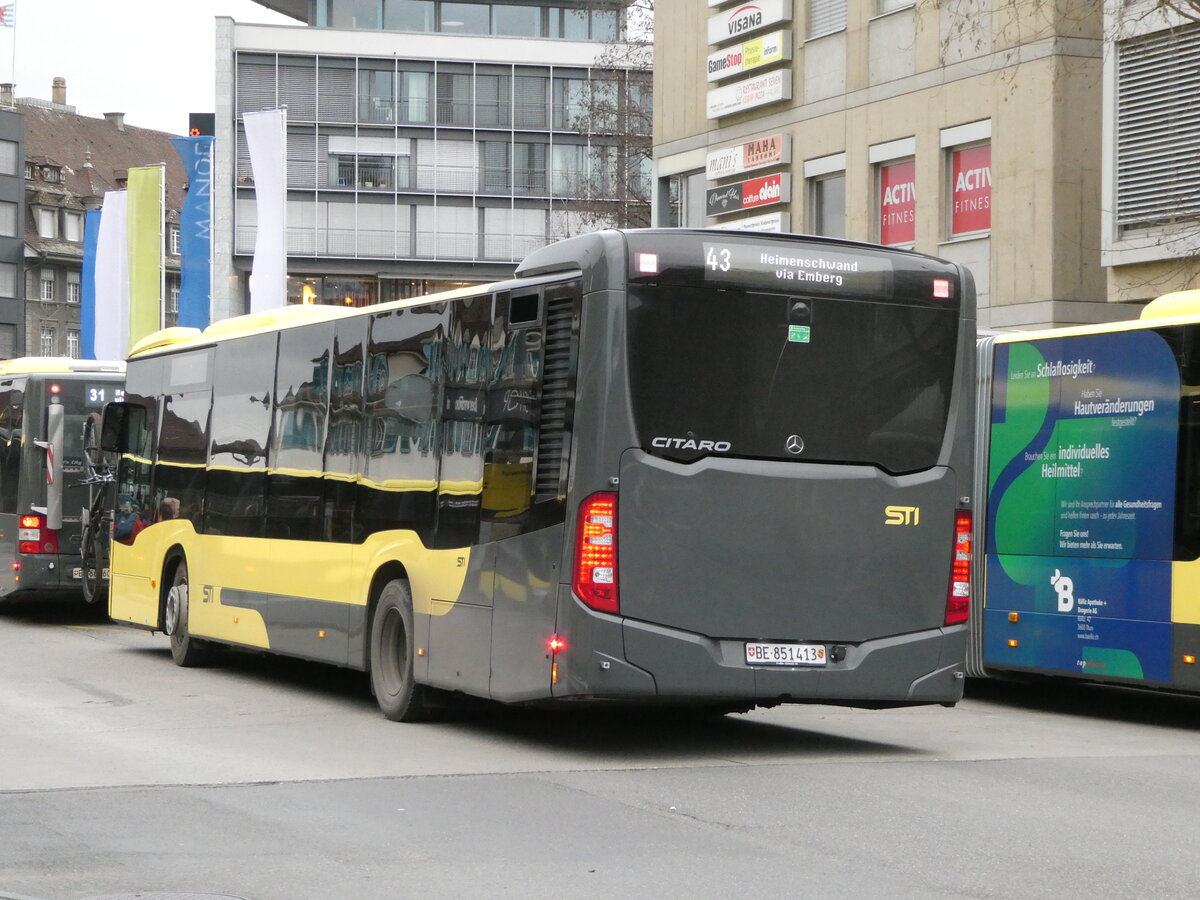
(691, 467)
(43, 404)
(1090, 462)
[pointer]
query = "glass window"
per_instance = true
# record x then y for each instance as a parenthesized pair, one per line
(415, 97)
(73, 344)
(529, 101)
(73, 226)
(465, 18)
(74, 288)
(493, 101)
(376, 95)
(570, 170)
(8, 218)
(408, 15)
(47, 222)
(829, 205)
(970, 189)
(368, 13)
(46, 286)
(301, 402)
(173, 287)
(344, 452)
(569, 102)
(47, 345)
(604, 25)
(8, 157)
(243, 379)
(519, 21)
(885, 6)
(894, 363)
(454, 98)
(8, 280)
(12, 403)
(173, 240)
(575, 24)
(182, 441)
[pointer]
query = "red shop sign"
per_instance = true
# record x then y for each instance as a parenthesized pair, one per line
(971, 190)
(898, 203)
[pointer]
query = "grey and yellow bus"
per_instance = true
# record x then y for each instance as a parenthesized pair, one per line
(670, 466)
(43, 404)
(1089, 459)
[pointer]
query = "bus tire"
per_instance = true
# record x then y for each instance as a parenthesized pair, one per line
(393, 642)
(186, 650)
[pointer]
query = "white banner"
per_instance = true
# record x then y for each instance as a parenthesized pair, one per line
(743, 95)
(266, 138)
(112, 278)
(747, 18)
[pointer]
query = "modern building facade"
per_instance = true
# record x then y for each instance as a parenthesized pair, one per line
(429, 143)
(1150, 206)
(70, 162)
(12, 214)
(967, 129)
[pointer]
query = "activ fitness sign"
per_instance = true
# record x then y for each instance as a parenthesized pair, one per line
(756, 192)
(747, 18)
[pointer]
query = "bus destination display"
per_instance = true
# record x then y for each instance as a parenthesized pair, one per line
(796, 267)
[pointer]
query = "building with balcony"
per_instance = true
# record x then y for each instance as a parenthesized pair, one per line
(429, 143)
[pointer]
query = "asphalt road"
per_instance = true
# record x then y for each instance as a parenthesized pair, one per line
(124, 776)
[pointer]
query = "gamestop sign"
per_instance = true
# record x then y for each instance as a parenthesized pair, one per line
(761, 51)
(756, 192)
(743, 95)
(746, 18)
(971, 190)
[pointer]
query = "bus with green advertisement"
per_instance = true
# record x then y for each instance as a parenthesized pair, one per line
(1088, 451)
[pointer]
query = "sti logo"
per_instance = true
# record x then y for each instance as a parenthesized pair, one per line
(902, 515)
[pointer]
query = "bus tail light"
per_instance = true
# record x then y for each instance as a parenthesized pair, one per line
(958, 598)
(595, 580)
(34, 537)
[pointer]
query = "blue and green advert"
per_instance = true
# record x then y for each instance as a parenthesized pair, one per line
(1080, 515)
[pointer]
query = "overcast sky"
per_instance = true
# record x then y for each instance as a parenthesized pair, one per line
(150, 59)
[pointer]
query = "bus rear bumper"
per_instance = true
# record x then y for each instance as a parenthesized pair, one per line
(42, 572)
(615, 658)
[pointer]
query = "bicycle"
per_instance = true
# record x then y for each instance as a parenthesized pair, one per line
(97, 517)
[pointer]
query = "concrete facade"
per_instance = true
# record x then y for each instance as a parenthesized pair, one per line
(919, 84)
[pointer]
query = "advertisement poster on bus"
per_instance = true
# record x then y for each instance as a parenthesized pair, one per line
(1081, 505)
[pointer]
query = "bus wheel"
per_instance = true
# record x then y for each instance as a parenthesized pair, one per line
(185, 649)
(392, 649)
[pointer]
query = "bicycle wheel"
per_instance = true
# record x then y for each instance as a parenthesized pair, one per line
(95, 558)
(93, 456)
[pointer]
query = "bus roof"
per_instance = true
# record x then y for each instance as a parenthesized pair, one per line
(58, 365)
(284, 317)
(1173, 305)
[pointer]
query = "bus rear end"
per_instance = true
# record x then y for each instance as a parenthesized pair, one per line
(36, 556)
(771, 475)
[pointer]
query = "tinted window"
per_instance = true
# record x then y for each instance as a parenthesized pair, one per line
(179, 470)
(468, 366)
(344, 454)
(243, 380)
(748, 374)
(12, 403)
(403, 396)
(301, 403)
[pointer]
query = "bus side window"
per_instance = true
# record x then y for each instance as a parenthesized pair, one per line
(1186, 343)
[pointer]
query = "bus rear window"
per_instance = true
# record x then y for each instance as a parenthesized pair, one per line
(791, 377)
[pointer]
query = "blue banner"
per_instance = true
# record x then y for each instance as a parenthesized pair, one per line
(195, 231)
(87, 308)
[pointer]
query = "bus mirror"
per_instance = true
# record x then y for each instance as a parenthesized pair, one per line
(121, 420)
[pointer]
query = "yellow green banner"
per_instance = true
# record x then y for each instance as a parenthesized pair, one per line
(145, 223)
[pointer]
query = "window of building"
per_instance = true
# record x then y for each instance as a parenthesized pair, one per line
(826, 17)
(51, 174)
(414, 105)
(46, 286)
(377, 95)
(970, 190)
(8, 157)
(529, 101)
(887, 6)
(826, 190)
(569, 175)
(895, 191)
(516, 21)
(173, 285)
(73, 343)
(8, 342)
(493, 101)
(47, 222)
(73, 226)
(1156, 140)
(569, 103)
(465, 18)
(682, 201)
(408, 15)
(8, 280)
(454, 98)
(47, 345)
(173, 240)
(74, 287)
(8, 218)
